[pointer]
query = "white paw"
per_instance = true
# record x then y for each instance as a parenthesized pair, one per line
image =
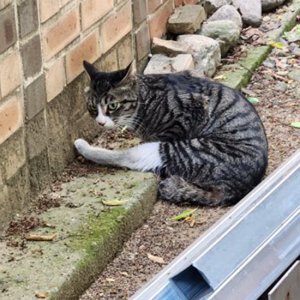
(81, 145)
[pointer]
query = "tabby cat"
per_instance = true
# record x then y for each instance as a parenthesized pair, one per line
(204, 140)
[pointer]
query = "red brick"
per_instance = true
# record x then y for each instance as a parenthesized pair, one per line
(184, 2)
(116, 27)
(153, 5)
(4, 3)
(124, 52)
(158, 21)
(61, 33)
(10, 117)
(94, 10)
(139, 11)
(10, 73)
(8, 33)
(142, 41)
(27, 17)
(88, 50)
(64, 2)
(48, 8)
(55, 79)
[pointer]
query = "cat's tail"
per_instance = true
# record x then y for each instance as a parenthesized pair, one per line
(176, 190)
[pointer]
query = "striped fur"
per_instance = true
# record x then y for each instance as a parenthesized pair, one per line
(213, 146)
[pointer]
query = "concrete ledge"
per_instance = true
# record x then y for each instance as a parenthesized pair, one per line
(89, 235)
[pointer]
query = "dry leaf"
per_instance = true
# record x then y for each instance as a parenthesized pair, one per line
(220, 77)
(124, 274)
(114, 202)
(38, 237)
(41, 295)
(190, 220)
(156, 259)
(109, 279)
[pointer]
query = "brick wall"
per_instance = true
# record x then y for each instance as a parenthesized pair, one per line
(42, 108)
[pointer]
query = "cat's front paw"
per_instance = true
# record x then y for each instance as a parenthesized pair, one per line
(81, 145)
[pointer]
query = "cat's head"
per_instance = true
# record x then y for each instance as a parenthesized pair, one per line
(111, 97)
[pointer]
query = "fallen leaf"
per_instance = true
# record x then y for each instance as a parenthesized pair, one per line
(124, 129)
(253, 100)
(295, 124)
(156, 259)
(38, 238)
(186, 213)
(190, 220)
(277, 45)
(124, 274)
(41, 295)
(109, 279)
(220, 77)
(114, 202)
(248, 92)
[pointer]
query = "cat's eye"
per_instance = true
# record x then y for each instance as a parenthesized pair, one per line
(113, 106)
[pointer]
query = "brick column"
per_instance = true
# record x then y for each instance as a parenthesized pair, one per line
(14, 186)
(34, 95)
(142, 37)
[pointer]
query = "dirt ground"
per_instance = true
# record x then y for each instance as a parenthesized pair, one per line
(278, 105)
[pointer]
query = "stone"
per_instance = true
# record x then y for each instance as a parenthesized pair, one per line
(161, 64)
(226, 32)
(227, 12)
(268, 5)
(211, 6)
(206, 52)
(168, 47)
(294, 75)
(281, 86)
(186, 19)
(250, 11)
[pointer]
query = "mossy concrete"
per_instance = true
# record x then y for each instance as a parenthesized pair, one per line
(239, 74)
(89, 235)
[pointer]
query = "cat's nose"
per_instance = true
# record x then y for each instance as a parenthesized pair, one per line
(101, 121)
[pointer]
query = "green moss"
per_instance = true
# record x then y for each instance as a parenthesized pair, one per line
(97, 229)
(239, 74)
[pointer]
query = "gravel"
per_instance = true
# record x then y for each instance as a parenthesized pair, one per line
(278, 106)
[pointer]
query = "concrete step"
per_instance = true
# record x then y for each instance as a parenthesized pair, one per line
(88, 234)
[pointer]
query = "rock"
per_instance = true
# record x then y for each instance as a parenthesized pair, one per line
(294, 74)
(268, 5)
(161, 64)
(281, 86)
(227, 12)
(211, 6)
(226, 32)
(206, 52)
(168, 47)
(269, 63)
(250, 11)
(186, 19)
(296, 51)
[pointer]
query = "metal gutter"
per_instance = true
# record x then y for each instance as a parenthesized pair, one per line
(243, 253)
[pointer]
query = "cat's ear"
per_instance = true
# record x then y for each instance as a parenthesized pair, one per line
(130, 70)
(90, 69)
